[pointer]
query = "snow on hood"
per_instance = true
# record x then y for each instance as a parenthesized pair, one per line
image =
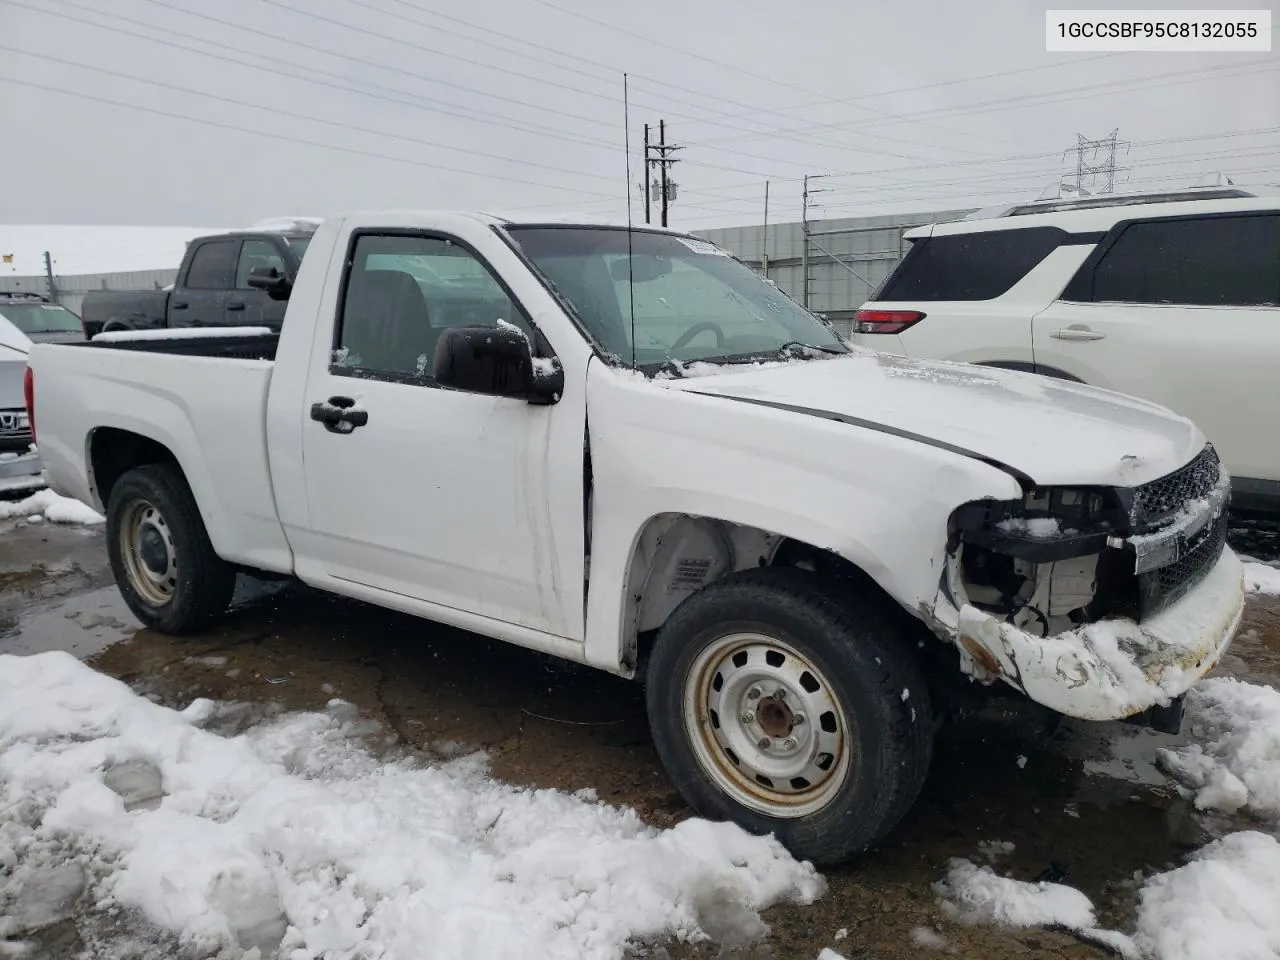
(1056, 431)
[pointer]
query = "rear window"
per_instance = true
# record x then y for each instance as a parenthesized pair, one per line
(969, 266)
(1223, 261)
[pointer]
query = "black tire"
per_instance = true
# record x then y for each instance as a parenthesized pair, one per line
(198, 583)
(865, 661)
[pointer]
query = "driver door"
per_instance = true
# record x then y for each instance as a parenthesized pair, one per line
(464, 500)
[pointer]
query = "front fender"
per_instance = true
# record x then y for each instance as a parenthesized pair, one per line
(878, 500)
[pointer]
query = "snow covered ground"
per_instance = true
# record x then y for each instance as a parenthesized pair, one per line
(1222, 903)
(47, 505)
(295, 839)
(1262, 578)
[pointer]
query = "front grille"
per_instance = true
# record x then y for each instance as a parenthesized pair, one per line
(1162, 498)
(15, 434)
(1165, 586)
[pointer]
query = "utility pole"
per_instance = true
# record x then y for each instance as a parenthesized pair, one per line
(764, 251)
(1107, 168)
(804, 233)
(659, 155)
(646, 173)
(48, 273)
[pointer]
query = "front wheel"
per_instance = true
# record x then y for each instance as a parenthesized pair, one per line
(785, 707)
(163, 562)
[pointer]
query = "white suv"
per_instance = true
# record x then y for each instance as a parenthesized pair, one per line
(1171, 297)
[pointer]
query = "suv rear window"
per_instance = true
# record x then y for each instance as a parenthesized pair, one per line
(1203, 261)
(969, 266)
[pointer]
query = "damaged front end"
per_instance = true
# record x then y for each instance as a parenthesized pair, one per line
(1098, 603)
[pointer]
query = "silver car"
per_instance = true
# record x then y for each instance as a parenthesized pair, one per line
(24, 319)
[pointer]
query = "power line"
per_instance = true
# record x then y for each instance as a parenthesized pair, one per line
(415, 102)
(299, 116)
(702, 57)
(751, 110)
(1053, 96)
(255, 31)
(79, 94)
(561, 66)
(1009, 159)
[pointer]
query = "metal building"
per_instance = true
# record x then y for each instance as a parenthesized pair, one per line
(836, 267)
(70, 291)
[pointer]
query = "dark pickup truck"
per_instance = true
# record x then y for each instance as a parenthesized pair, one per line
(212, 288)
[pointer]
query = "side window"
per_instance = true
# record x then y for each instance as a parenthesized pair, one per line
(969, 266)
(255, 254)
(211, 265)
(1206, 261)
(402, 291)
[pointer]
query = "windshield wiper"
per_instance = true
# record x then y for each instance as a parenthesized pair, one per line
(794, 344)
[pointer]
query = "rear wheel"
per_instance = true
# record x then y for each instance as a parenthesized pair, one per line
(778, 704)
(160, 552)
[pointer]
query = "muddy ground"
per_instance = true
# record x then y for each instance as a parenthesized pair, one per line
(1088, 808)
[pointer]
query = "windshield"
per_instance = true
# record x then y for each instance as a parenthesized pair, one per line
(298, 245)
(34, 318)
(689, 299)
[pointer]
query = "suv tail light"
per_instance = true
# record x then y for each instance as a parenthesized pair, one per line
(885, 321)
(29, 396)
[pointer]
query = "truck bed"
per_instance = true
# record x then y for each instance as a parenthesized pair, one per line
(201, 396)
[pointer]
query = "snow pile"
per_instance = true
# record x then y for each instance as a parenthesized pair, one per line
(972, 894)
(1223, 904)
(1235, 762)
(47, 505)
(292, 839)
(1262, 578)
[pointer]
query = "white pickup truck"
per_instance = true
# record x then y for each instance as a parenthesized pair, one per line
(624, 448)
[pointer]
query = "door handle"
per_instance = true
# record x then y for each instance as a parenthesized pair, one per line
(1077, 332)
(337, 416)
(237, 305)
(180, 305)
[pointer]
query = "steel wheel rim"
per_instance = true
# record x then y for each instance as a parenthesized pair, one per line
(150, 560)
(766, 725)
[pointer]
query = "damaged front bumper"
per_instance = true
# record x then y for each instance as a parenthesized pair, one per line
(1113, 668)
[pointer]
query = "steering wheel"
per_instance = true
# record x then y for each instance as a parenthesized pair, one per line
(697, 328)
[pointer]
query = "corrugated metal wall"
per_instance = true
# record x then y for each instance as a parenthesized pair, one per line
(71, 290)
(848, 258)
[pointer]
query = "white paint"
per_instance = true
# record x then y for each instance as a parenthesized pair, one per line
(183, 333)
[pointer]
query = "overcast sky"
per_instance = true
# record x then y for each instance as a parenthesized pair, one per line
(257, 108)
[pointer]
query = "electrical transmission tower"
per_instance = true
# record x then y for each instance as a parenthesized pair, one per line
(659, 155)
(1097, 159)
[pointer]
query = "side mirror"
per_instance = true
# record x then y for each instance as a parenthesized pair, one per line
(270, 280)
(496, 361)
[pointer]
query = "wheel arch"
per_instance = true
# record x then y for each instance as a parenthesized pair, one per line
(674, 555)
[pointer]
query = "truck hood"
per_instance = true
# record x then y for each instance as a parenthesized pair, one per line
(1054, 431)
